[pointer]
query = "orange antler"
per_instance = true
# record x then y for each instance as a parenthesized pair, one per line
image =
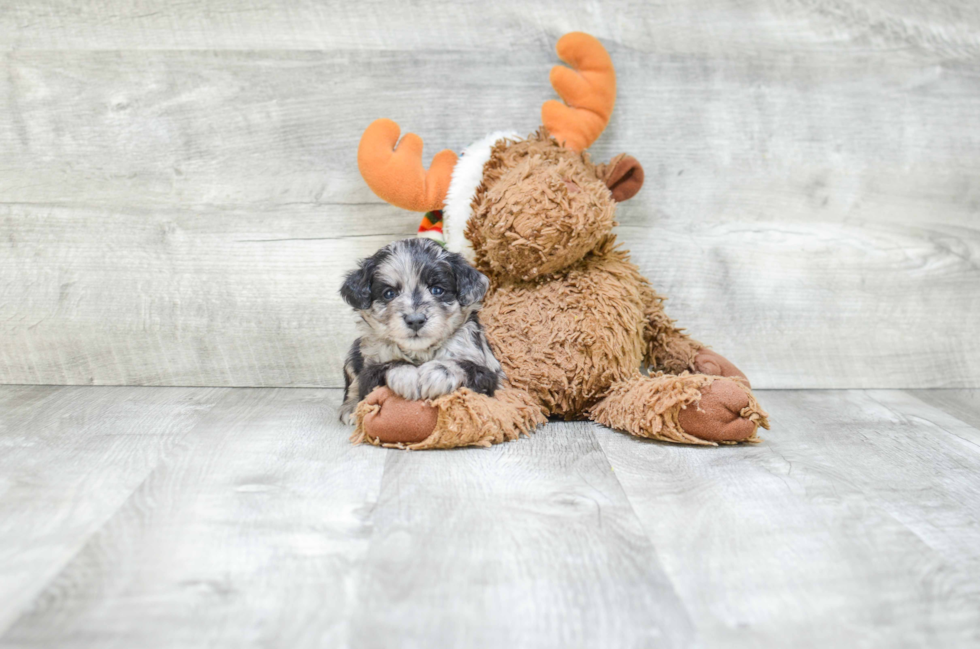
(589, 92)
(397, 175)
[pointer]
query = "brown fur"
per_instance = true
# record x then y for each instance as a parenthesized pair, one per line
(464, 418)
(570, 318)
(567, 339)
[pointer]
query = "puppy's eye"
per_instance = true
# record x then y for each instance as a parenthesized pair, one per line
(437, 290)
(389, 294)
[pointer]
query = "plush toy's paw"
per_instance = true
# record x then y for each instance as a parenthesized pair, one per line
(714, 364)
(398, 421)
(717, 417)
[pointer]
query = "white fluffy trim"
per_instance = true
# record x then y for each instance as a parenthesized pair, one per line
(467, 175)
(435, 235)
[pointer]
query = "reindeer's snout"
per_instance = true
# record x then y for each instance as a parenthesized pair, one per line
(545, 212)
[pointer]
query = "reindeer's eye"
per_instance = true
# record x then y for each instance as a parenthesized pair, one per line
(389, 294)
(437, 290)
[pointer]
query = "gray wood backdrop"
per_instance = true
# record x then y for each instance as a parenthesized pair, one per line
(179, 195)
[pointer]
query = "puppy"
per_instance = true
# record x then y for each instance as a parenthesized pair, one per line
(420, 332)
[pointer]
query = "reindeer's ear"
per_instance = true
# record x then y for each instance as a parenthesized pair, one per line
(623, 176)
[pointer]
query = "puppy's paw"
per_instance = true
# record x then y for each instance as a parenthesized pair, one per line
(403, 380)
(437, 378)
(346, 415)
(346, 412)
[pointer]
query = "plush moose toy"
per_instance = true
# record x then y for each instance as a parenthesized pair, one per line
(568, 315)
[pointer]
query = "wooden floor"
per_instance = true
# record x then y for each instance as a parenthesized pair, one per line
(192, 517)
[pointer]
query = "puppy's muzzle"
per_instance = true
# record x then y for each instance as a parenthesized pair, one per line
(415, 321)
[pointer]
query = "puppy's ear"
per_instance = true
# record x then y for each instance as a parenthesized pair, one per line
(471, 284)
(356, 290)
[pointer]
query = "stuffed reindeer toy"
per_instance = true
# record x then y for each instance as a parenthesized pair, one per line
(579, 333)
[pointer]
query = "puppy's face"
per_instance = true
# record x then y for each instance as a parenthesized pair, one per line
(414, 293)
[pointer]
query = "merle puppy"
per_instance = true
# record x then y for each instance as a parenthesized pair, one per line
(420, 332)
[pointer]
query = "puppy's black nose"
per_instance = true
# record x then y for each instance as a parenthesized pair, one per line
(415, 321)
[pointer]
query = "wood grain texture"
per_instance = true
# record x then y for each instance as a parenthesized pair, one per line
(962, 404)
(772, 26)
(163, 517)
(811, 201)
(69, 459)
(855, 518)
(175, 299)
(530, 544)
(248, 535)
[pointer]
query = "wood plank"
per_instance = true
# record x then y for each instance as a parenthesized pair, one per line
(176, 299)
(734, 134)
(262, 130)
(153, 517)
(249, 535)
(158, 298)
(855, 518)
(16, 401)
(961, 404)
(948, 27)
(69, 458)
(527, 544)
(810, 202)
(939, 498)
